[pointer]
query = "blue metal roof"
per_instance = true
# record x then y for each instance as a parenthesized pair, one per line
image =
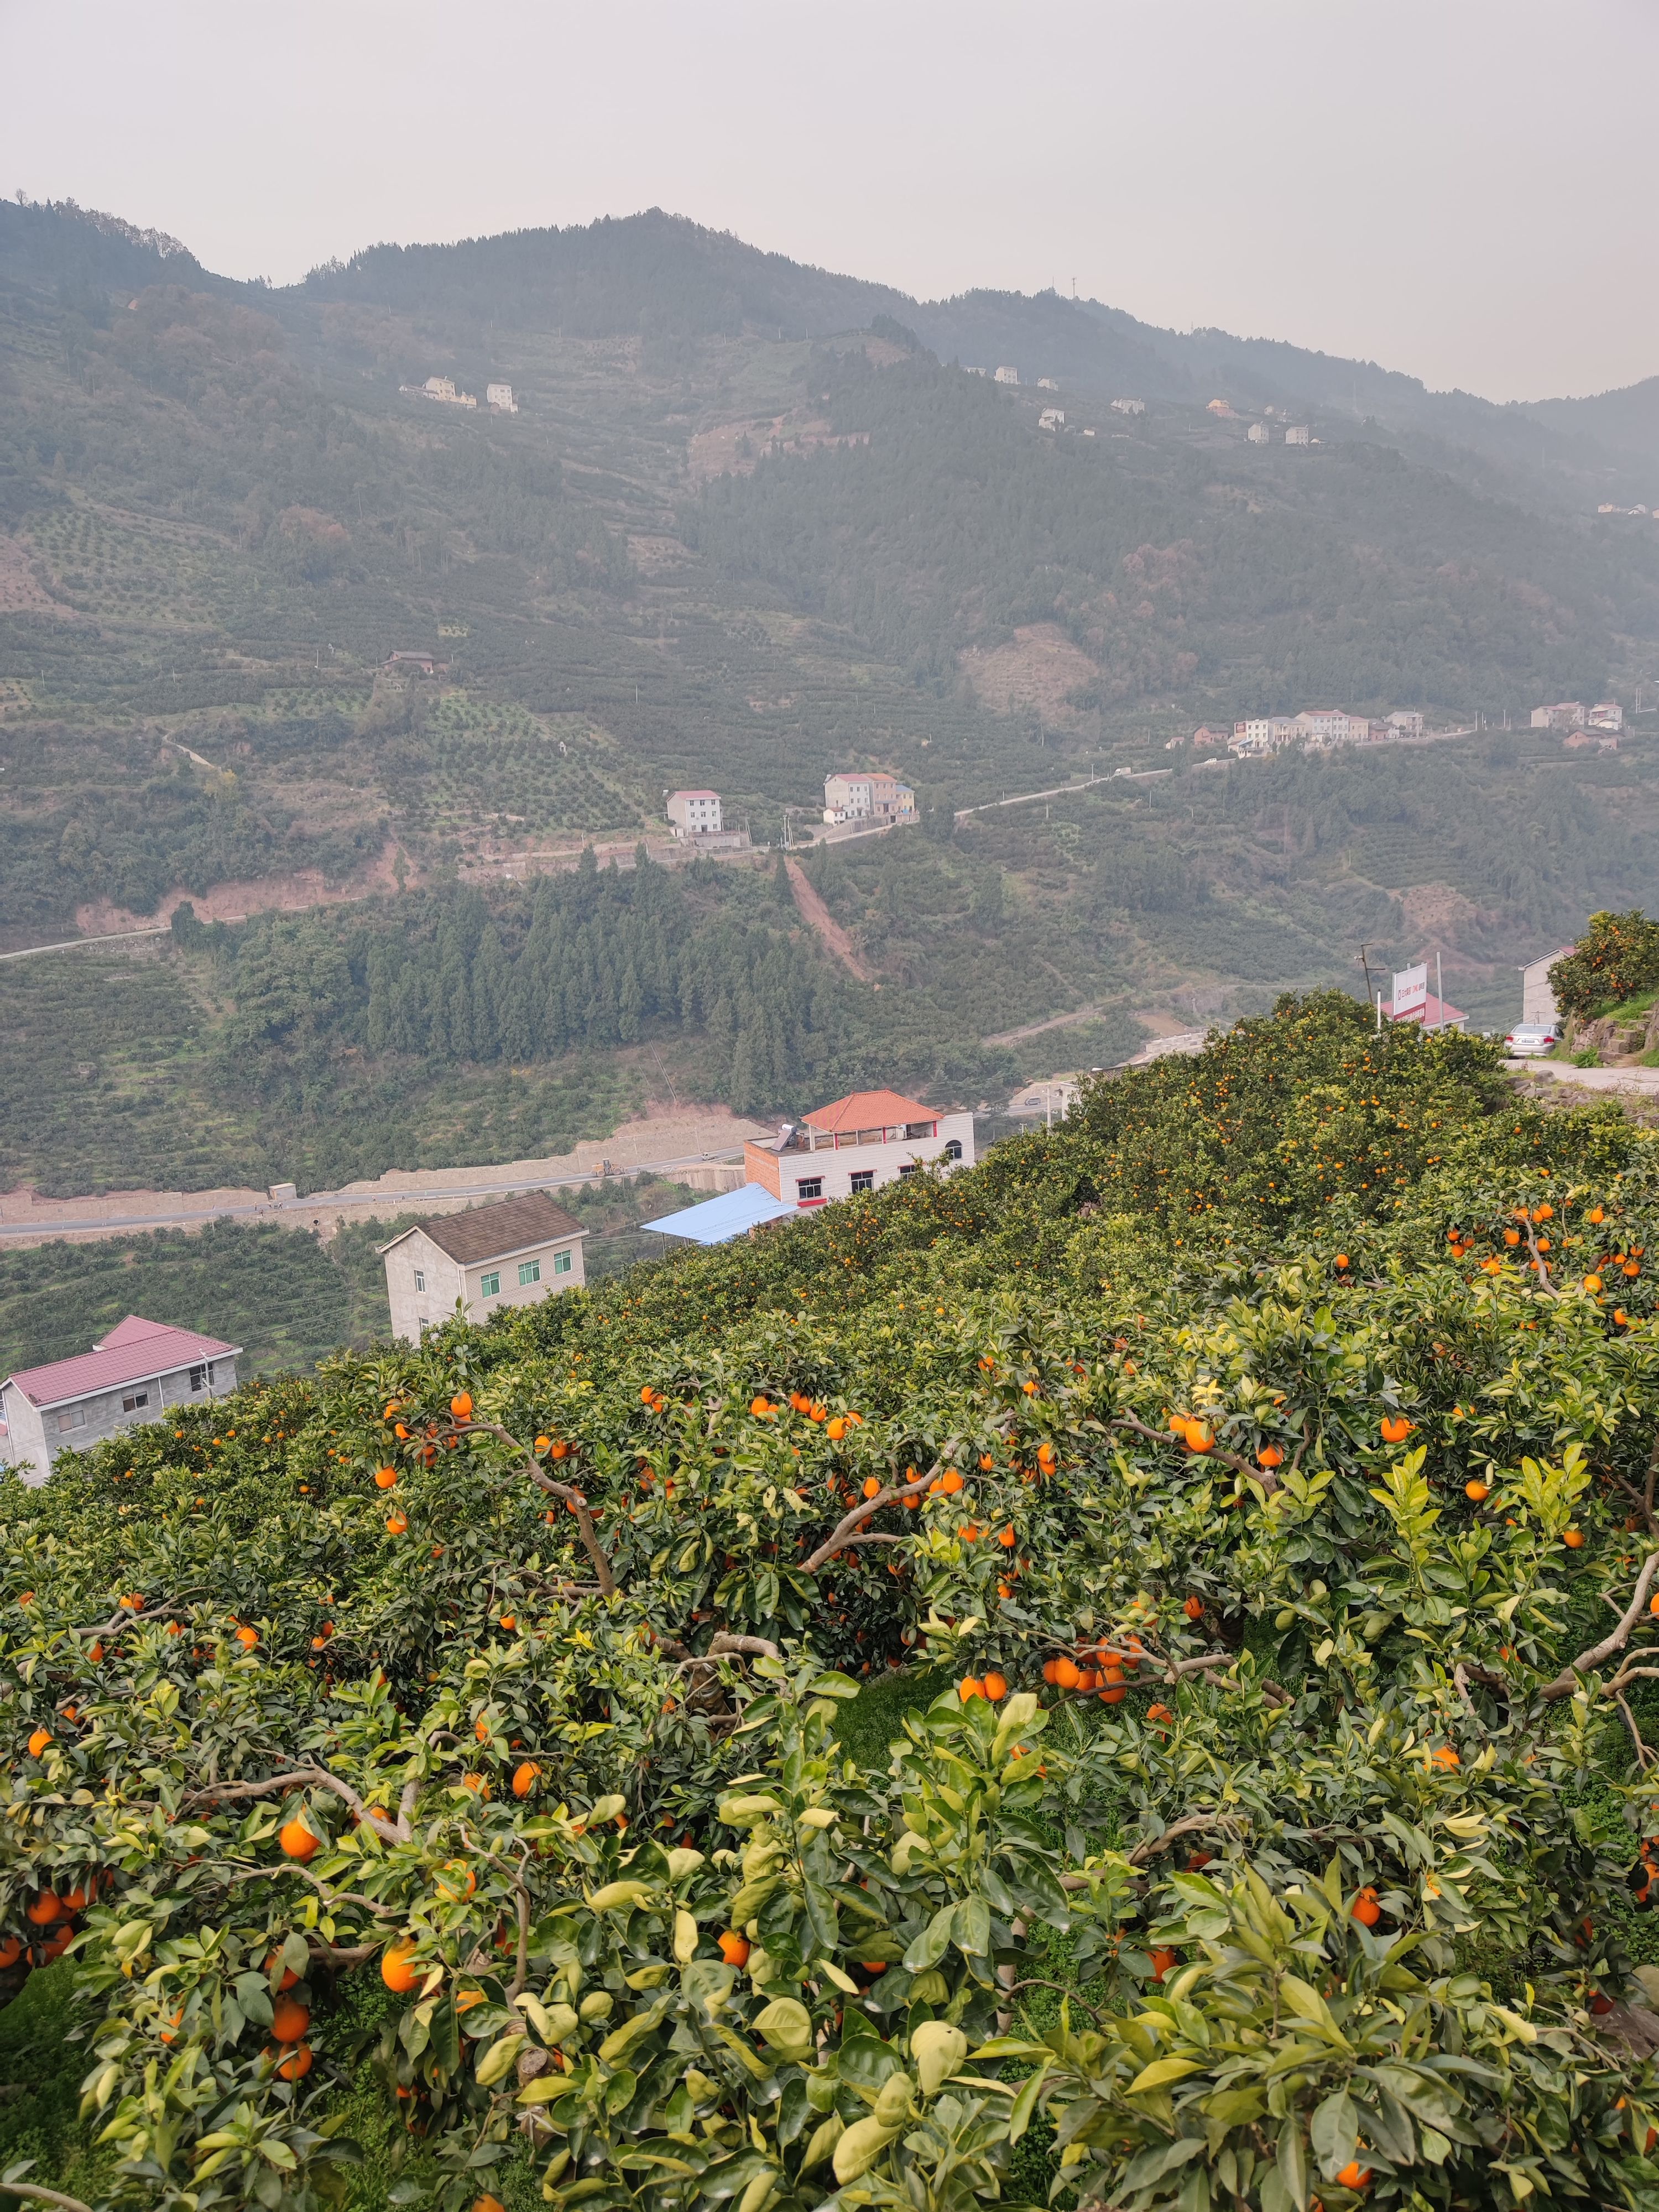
(718, 1220)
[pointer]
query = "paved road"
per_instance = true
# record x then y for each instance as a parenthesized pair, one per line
(362, 1204)
(1644, 1081)
(73, 943)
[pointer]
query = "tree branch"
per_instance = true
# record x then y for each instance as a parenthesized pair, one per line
(843, 1533)
(44, 2196)
(1567, 1681)
(572, 1498)
(316, 1777)
(722, 1645)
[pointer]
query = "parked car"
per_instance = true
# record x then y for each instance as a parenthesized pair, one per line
(1532, 1040)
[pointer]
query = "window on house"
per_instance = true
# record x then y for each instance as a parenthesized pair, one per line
(810, 1187)
(490, 1287)
(953, 1150)
(135, 1401)
(72, 1417)
(910, 1167)
(863, 1179)
(420, 1279)
(529, 1271)
(198, 1380)
(562, 1263)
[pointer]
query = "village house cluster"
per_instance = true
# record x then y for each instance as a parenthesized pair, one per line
(1318, 728)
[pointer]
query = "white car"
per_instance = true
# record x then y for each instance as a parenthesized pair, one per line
(1532, 1040)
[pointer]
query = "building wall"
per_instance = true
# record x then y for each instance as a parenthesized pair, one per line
(691, 811)
(833, 1165)
(36, 1438)
(1537, 997)
(425, 1305)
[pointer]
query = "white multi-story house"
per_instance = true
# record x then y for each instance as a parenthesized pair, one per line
(500, 397)
(694, 813)
(514, 1253)
(1605, 714)
(1537, 992)
(141, 1371)
(1261, 733)
(870, 795)
(1325, 726)
(1128, 407)
(1565, 714)
(1405, 722)
(1258, 433)
(1052, 418)
(858, 1144)
(1007, 376)
(1297, 435)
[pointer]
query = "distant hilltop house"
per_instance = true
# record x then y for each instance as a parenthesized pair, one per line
(499, 398)
(1319, 728)
(141, 1371)
(442, 388)
(1219, 407)
(693, 813)
(696, 819)
(1262, 734)
(859, 1142)
(1607, 714)
(513, 1252)
(1052, 418)
(871, 797)
(1433, 1013)
(1007, 376)
(415, 664)
(1047, 384)
(1202, 737)
(1258, 433)
(1128, 407)
(1299, 434)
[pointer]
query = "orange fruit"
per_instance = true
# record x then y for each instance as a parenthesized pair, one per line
(45, 1908)
(398, 1968)
(1007, 1538)
(1066, 1674)
(1395, 1428)
(969, 1687)
(456, 1880)
(734, 1948)
(1342, 1259)
(872, 1487)
(1446, 1758)
(509, 1621)
(461, 1405)
(290, 1976)
(1477, 1490)
(1366, 1909)
(385, 1477)
(297, 2064)
(524, 1778)
(297, 1840)
(289, 2020)
(1354, 2175)
(397, 1524)
(1201, 1438)
(1163, 1960)
(1511, 1236)
(1193, 1608)
(1573, 1539)
(1114, 1694)
(39, 1741)
(248, 1637)
(995, 1688)
(1270, 1455)
(952, 1482)
(836, 1430)
(1593, 1284)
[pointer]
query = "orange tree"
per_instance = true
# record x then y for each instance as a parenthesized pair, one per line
(472, 1738)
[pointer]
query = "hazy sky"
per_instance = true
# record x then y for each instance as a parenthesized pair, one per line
(1464, 189)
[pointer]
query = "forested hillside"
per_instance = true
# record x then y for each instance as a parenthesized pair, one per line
(747, 525)
(1114, 1677)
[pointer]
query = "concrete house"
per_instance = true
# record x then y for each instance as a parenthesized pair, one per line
(694, 813)
(858, 1144)
(139, 1372)
(1537, 992)
(873, 796)
(514, 1253)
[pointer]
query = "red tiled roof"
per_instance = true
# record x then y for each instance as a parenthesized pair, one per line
(870, 1110)
(1432, 1012)
(134, 1352)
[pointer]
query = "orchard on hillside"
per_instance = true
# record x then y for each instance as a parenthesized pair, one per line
(1121, 1677)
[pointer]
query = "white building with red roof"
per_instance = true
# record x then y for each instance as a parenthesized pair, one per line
(141, 1371)
(855, 1144)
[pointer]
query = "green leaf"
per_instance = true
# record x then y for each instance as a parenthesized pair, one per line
(1293, 2162)
(1025, 2103)
(1161, 2073)
(929, 1948)
(1334, 2133)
